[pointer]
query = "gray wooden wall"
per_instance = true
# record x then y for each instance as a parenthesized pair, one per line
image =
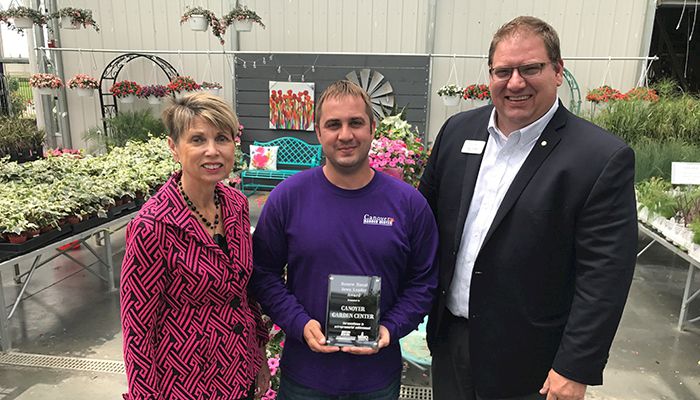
(408, 76)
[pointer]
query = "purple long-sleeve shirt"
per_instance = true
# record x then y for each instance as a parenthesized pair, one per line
(316, 229)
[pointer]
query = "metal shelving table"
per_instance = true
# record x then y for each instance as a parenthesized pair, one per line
(693, 265)
(43, 255)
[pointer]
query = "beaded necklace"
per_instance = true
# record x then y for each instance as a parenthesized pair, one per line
(209, 225)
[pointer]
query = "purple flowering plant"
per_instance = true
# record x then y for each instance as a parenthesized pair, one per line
(157, 91)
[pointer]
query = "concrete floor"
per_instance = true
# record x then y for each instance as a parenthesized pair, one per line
(72, 313)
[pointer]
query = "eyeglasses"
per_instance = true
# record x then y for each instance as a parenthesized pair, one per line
(526, 71)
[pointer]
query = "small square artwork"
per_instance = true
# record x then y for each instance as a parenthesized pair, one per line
(292, 105)
(263, 157)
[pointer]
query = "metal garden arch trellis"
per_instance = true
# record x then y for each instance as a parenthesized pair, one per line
(108, 103)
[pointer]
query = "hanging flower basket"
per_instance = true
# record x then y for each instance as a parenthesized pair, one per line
(211, 87)
(478, 93)
(125, 91)
(153, 93)
(84, 84)
(200, 19)
(74, 18)
(450, 94)
(20, 18)
(604, 94)
(46, 84)
(242, 19)
(183, 85)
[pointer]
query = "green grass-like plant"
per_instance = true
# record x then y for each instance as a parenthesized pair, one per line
(653, 158)
(125, 126)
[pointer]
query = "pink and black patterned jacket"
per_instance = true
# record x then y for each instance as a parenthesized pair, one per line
(191, 331)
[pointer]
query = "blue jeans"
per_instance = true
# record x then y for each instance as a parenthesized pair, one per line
(290, 390)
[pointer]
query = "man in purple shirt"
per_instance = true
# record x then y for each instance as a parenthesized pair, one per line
(343, 218)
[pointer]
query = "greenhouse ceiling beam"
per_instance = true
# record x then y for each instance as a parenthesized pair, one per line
(76, 49)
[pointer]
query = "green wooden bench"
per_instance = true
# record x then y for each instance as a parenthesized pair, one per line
(293, 155)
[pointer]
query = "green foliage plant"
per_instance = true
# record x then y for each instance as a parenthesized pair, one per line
(136, 126)
(655, 194)
(653, 158)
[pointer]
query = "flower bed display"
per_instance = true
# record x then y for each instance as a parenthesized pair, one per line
(43, 194)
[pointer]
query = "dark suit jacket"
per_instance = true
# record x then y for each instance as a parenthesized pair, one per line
(552, 276)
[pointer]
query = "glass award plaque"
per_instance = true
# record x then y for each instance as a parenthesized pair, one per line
(352, 314)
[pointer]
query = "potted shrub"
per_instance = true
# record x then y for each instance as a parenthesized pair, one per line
(84, 84)
(450, 94)
(478, 93)
(182, 85)
(242, 19)
(153, 93)
(200, 19)
(211, 87)
(125, 91)
(73, 18)
(45, 83)
(20, 18)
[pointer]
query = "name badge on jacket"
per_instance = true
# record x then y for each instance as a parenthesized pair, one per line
(473, 146)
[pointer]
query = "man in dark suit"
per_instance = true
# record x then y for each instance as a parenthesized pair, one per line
(537, 221)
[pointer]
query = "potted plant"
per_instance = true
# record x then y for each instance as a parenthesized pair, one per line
(395, 128)
(20, 18)
(604, 94)
(643, 94)
(182, 85)
(478, 93)
(45, 83)
(200, 19)
(73, 18)
(242, 19)
(450, 94)
(212, 87)
(84, 84)
(125, 91)
(153, 93)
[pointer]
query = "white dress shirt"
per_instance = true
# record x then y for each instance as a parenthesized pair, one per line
(503, 157)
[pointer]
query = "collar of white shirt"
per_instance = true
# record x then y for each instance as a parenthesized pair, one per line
(525, 135)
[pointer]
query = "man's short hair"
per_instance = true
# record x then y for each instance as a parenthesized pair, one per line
(179, 114)
(532, 25)
(341, 89)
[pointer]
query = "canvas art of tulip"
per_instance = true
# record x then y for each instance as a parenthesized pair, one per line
(292, 106)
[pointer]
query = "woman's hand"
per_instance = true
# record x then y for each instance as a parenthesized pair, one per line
(262, 380)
